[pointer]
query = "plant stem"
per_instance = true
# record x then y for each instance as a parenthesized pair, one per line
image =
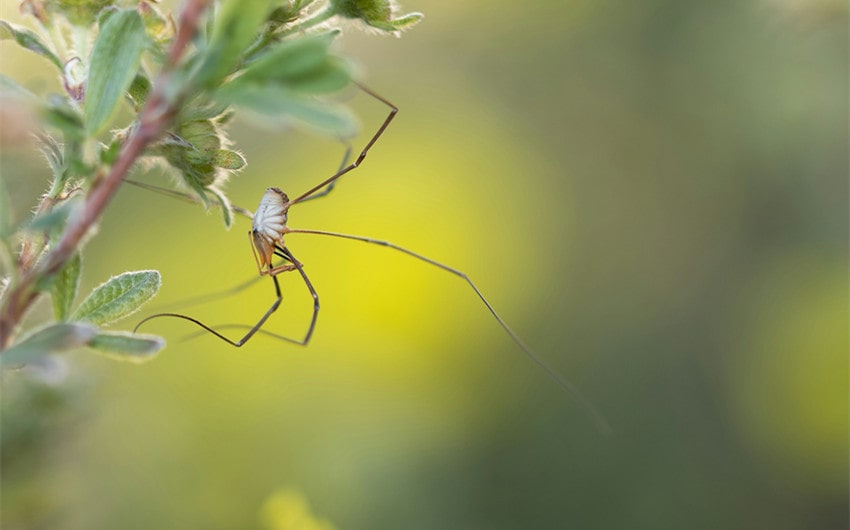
(153, 120)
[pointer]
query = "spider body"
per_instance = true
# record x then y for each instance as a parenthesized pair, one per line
(268, 228)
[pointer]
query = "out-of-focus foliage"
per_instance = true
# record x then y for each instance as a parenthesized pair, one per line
(38, 421)
(653, 193)
(288, 510)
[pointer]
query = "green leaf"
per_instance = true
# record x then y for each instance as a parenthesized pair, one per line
(109, 153)
(332, 75)
(201, 110)
(225, 117)
(329, 75)
(118, 297)
(200, 190)
(406, 21)
(53, 220)
(28, 40)
(60, 114)
(51, 339)
(237, 24)
(302, 65)
(113, 65)
(64, 288)
(105, 14)
(292, 58)
(270, 102)
(228, 160)
(139, 91)
(53, 153)
(126, 346)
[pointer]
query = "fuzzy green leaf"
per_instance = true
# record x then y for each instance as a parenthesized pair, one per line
(139, 91)
(228, 160)
(302, 65)
(64, 288)
(109, 153)
(292, 58)
(332, 75)
(53, 220)
(407, 21)
(275, 102)
(28, 40)
(60, 114)
(53, 153)
(200, 191)
(51, 339)
(236, 26)
(118, 297)
(113, 65)
(201, 110)
(105, 14)
(126, 346)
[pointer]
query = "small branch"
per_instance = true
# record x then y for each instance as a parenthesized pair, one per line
(153, 120)
(189, 17)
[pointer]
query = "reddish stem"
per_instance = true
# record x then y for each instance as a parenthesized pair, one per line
(153, 120)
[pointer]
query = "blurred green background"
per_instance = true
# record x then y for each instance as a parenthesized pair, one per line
(653, 194)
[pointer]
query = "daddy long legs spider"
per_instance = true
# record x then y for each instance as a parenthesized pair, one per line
(269, 228)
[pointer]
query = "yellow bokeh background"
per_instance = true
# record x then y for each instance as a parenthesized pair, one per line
(652, 194)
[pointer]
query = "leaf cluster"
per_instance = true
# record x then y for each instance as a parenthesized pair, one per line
(113, 300)
(272, 59)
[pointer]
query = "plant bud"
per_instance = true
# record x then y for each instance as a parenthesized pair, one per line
(78, 12)
(196, 161)
(379, 14)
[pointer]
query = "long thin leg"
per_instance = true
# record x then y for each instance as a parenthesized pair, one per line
(594, 414)
(286, 254)
(224, 293)
(359, 160)
(244, 212)
(320, 190)
(345, 158)
(239, 342)
(182, 196)
(261, 331)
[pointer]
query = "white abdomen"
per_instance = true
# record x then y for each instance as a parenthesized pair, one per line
(270, 218)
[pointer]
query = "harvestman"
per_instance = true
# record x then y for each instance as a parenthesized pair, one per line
(266, 237)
